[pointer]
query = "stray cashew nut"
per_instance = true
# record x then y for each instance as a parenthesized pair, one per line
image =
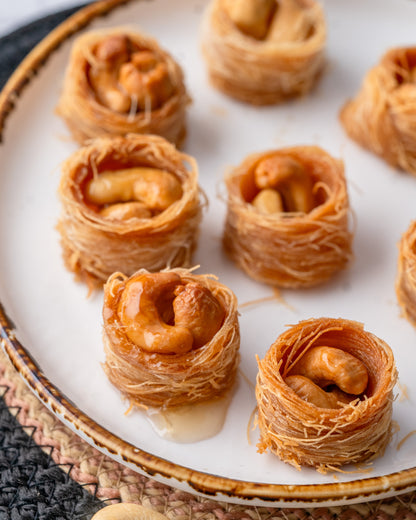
(160, 313)
(126, 511)
(154, 189)
(288, 177)
(125, 77)
(325, 366)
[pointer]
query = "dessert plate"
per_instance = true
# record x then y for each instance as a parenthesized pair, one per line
(51, 329)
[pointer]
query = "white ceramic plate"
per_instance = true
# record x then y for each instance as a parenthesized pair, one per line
(59, 327)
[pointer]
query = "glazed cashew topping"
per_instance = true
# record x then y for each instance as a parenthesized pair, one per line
(311, 392)
(160, 313)
(283, 20)
(126, 511)
(324, 367)
(133, 192)
(289, 180)
(126, 78)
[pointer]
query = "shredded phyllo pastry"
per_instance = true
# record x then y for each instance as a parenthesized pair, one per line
(170, 338)
(288, 217)
(382, 116)
(120, 82)
(264, 51)
(406, 276)
(324, 395)
(128, 203)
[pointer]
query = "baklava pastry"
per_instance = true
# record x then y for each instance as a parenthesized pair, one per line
(406, 274)
(128, 203)
(264, 51)
(382, 116)
(171, 338)
(324, 395)
(287, 221)
(120, 82)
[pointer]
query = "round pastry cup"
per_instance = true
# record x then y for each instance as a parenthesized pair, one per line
(87, 118)
(261, 72)
(382, 115)
(299, 432)
(290, 249)
(167, 380)
(94, 246)
(406, 273)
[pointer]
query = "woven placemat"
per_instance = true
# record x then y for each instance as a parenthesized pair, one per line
(45, 458)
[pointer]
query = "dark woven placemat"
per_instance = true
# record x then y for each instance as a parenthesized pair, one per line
(47, 472)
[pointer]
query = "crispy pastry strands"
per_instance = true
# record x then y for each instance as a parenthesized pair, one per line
(406, 274)
(87, 118)
(290, 249)
(382, 116)
(299, 432)
(94, 247)
(167, 380)
(270, 70)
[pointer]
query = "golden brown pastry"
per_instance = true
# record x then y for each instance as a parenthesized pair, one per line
(120, 82)
(264, 51)
(382, 116)
(324, 394)
(287, 222)
(128, 203)
(171, 338)
(406, 274)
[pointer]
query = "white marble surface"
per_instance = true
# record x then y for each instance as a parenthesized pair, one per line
(14, 13)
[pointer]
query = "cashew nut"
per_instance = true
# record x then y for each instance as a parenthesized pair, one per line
(156, 189)
(113, 49)
(197, 309)
(151, 86)
(139, 314)
(290, 23)
(312, 393)
(252, 17)
(268, 201)
(287, 176)
(125, 211)
(125, 77)
(126, 511)
(161, 313)
(329, 365)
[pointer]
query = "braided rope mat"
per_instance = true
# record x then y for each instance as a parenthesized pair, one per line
(110, 481)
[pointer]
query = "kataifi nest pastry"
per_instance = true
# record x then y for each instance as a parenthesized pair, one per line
(264, 51)
(120, 81)
(128, 203)
(325, 395)
(171, 338)
(288, 217)
(406, 273)
(382, 116)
